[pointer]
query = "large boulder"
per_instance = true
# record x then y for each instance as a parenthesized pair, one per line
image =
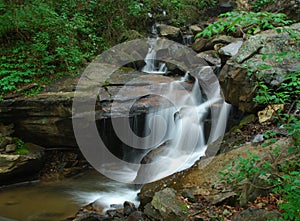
(166, 205)
(19, 167)
(238, 86)
(170, 32)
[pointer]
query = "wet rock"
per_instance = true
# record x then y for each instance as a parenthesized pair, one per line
(16, 168)
(135, 216)
(88, 216)
(10, 148)
(129, 208)
(169, 32)
(253, 214)
(46, 119)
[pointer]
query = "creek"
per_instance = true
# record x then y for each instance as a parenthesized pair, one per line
(52, 201)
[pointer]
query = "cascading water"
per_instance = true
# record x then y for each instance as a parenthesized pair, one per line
(176, 132)
(153, 66)
(184, 141)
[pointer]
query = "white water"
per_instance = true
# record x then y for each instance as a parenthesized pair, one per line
(184, 140)
(153, 66)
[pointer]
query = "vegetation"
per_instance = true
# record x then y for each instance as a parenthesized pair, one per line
(21, 149)
(283, 179)
(43, 40)
(244, 22)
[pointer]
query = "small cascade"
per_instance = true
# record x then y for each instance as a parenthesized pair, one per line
(154, 30)
(188, 39)
(184, 141)
(153, 66)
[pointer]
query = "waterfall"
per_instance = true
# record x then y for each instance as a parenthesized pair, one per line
(153, 66)
(183, 142)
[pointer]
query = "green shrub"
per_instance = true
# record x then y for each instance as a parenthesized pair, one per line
(245, 22)
(21, 149)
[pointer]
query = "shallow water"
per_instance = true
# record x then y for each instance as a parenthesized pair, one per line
(58, 200)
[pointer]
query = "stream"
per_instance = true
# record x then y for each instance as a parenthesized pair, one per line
(44, 201)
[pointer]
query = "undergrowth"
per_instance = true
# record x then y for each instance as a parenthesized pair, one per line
(283, 178)
(244, 22)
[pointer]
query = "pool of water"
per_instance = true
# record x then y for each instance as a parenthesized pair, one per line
(39, 201)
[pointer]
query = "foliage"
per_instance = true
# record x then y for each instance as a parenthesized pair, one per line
(284, 180)
(21, 149)
(245, 22)
(183, 12)
(258, 5)
(41, 40)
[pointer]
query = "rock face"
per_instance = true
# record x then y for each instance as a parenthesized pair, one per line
(16, 167)
(239, 88)
(46, 119)
(110, 82)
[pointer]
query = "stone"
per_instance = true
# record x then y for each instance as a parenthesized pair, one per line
(6, 130)
(10, 148)
(238, 86)
(168, 205)
(188, 194)
(135, 216)
(16, 168)
(211, 57)
(195, 29)
(151, 212)
(129, 208)
(267, 113)
(46, 119)
(169, 32)
(231, 49)
(254, 214)
(203, 179)
(4, 141)
(200, 45)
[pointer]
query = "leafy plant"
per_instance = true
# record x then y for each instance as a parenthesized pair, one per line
(21, 149)
(245, 22)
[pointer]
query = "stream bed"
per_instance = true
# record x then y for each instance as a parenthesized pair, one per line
(53, 201)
